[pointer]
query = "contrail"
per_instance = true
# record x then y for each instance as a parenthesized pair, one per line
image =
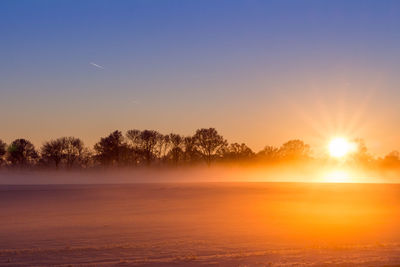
(97, 66)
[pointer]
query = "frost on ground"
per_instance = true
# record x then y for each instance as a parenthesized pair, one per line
(223, 224)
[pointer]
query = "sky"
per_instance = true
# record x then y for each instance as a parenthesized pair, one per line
(260, 72)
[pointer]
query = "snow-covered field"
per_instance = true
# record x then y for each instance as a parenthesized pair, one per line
(191, 224)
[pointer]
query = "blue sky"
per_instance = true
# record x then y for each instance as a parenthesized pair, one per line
(261, 72)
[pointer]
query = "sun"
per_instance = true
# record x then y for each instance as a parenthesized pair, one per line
(339, 147)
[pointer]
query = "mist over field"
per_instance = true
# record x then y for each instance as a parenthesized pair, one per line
(154, 175)
(196, 216)
(278, 173)
(190, 224)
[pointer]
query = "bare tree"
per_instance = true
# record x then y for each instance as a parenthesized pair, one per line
(145, 143)
(190, 152)
(269, 153)
(238, 152)
(149, 140)
(294, 150)
(133, 137)
(109, 150)
(176, 152)
(67, 150)
(72, 150)
(22, 153)
(52, 151)
(209, 143)
(162, 146)
(86, 158)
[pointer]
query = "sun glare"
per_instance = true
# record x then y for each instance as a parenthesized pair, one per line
(337, 176)
(339, 147)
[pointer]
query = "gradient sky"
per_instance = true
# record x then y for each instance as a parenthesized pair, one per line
(261, 72)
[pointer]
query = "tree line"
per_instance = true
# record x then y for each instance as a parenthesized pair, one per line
(146, 148)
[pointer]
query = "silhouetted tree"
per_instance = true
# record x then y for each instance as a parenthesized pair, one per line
(149, 139)
(294, 150)
(190, 153)
(148, 146)
(145, 143)
(209, 143)
(68, 150)
(52, 151)
(86, 158)
(73, 150)
(163, 145)
(238, 152)
(3, 151)
(360, 155)
(269, 153)
(110, 149)
(391, 160)
(22, 153)
(133, 137)
(176, 152)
